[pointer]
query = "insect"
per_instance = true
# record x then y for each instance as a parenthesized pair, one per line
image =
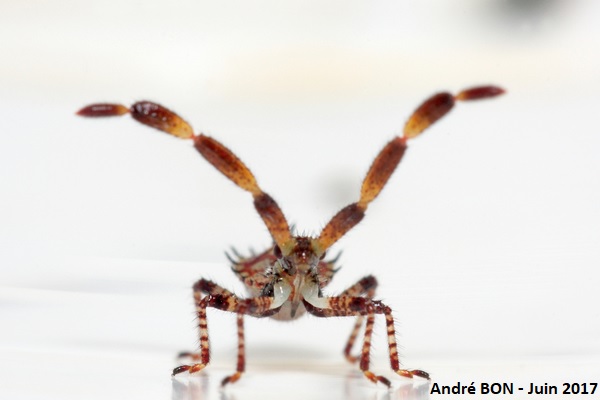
(287, 280)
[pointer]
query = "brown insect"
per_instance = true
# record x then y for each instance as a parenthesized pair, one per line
(287, 279)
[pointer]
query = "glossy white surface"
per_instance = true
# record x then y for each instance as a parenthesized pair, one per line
(485, 242)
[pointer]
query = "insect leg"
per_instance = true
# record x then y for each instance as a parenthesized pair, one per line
(350, 343)
(381, 308)
(241, 358)
(224, 300)
(351, 306)
(366, 286)
(204, 286)
(361, 306)
(204, 356)
(365, 357)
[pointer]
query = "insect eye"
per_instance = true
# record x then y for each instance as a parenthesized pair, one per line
(277, 251)
(323, 255)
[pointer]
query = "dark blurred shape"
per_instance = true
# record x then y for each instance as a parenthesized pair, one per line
(530, 16)
(529, 8)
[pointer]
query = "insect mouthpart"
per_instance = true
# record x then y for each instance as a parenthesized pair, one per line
(281, 293)
(288, 266)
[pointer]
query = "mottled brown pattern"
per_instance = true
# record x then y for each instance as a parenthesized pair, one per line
(294, 266)
(340, 224)
(366, 286)
(428, 113)
(161, 118)
(344, 306)
(382, 168)
(226, 162)
(273, 218)
(220, 298)
(352, 339)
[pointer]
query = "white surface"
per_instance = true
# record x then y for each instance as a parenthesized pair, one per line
(485, 241)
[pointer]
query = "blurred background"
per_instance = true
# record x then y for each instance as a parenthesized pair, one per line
(485, 241)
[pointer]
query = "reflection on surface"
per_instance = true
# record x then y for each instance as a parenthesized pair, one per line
(195, 388)
(270, 384)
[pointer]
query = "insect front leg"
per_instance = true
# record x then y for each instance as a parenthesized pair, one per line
(210, 288)
(223, 300)
(203, 286)
(360, 306)
(381, 308)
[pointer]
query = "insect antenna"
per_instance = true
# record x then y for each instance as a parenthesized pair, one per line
(430, 111)
(223, 159)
